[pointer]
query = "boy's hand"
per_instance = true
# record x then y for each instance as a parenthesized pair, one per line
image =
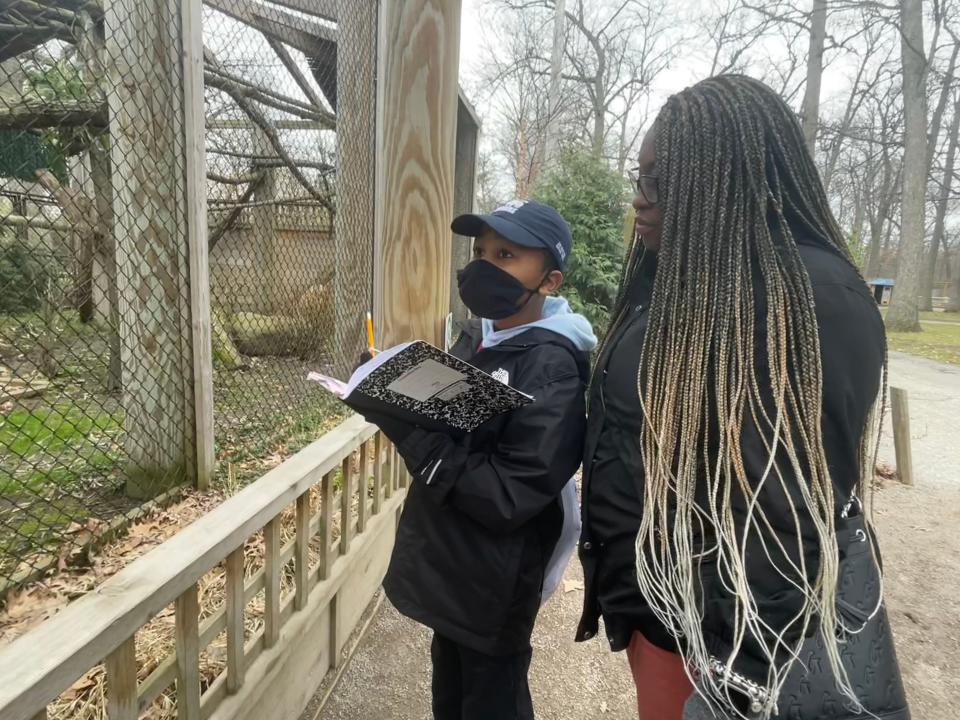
(396, 430)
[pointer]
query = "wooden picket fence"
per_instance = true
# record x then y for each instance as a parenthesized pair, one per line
(272, 675)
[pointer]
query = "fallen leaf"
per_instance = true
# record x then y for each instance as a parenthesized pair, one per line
(570, 585)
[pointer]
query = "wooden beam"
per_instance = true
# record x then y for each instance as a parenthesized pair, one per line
(121, 669)
(324, 9)
(356, 176)
(346, 505)
(195, 161)
(232, 124)
(297, 32)
(378, 463)
(272, 569)
(296, 72)
(464, 194)
(236, 665)
(84, 113)
(147, 150)
(188, 655)
(363, 487)
(417, 122)
(302, 555)
(326, 525)
(901, 434)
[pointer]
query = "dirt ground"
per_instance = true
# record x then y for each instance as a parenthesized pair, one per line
(919, 530)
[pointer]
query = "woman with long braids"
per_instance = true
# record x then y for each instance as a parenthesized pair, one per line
(724, 541)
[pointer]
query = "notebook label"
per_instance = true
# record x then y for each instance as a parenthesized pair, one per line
(425, 380)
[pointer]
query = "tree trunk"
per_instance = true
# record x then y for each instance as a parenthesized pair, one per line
(873, 253)
(856, 232)
(263, 222)
(811, 98)
(101, 179)
(939, 227)
(903, 314)
(598, 131)
(953, 304)
(83, 283)
(149, 203)
(556, 67)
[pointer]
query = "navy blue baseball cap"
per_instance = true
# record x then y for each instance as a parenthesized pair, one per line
(523, 222)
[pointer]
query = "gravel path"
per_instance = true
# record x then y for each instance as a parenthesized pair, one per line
(389, 678)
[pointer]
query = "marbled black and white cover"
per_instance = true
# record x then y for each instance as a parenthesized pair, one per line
(462, 400)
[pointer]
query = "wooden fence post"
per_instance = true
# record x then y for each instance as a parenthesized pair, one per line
(356, 161)
(418, 55)
(901, 434)
(158, 213)
(121, 668)
(195, 160)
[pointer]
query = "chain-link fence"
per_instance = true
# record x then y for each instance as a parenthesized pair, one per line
(97, 300)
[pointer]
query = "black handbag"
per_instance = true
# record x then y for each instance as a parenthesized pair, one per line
(867, 650)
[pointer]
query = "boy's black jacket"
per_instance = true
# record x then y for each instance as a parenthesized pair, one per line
(483, 513)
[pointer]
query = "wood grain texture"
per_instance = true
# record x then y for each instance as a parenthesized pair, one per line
(188, 655)
(464, 194)
(235, 607)
(121, 667)
(363, 487)
(272, 568)
(356, 176)
(900, 409)
(201, 395)
(302, 562)
(326, 525)
(417, 117)
(378, 473)
(347, 492)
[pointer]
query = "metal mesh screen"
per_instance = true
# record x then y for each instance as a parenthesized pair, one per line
(96, 355)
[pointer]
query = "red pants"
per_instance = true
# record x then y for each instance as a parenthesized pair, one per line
(662, 683)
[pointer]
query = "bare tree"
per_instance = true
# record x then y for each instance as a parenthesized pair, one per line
(614, 51)
(557, 53)
(942, 204)
(516, 85)
(811, 98)
(945, 91)
(903, 314)
(730, 31)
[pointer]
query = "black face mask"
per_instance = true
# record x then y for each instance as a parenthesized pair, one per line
(490, 292)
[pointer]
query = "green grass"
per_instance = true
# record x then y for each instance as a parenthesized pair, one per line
(936, 342)
(55, 446)
(941, 316)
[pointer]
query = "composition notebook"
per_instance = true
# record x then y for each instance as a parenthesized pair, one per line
(422, 385)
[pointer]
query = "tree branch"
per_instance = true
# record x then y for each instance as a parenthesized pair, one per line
(220, 230)
(270, 132)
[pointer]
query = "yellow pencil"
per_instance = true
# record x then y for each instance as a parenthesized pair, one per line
(370, 332)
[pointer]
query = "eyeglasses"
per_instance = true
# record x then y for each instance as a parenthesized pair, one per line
(648, 186)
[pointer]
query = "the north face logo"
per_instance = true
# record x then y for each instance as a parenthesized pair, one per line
(501, 375)
(511, 207)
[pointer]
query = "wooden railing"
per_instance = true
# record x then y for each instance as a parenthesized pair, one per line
(304, 632)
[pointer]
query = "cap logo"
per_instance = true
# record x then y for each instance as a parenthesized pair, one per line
(561, 251)
(511, 207)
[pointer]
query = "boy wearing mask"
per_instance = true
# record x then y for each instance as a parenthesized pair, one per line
(477, 545)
